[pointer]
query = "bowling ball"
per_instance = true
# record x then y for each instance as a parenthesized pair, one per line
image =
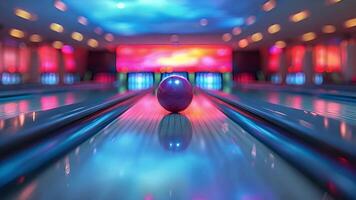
(175, 93)
(175, 132)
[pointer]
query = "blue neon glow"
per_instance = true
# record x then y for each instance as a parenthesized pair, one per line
(11, 78)
(49, 79)
(139, 81)
(209, 81)
(295, 79)
(131, 17)
(318, 79)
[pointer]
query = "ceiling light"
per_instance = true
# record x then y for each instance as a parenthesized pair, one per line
(227, 37)
(236, 31)
(16, 33)
(257, 37)
(299, 16)
(56, 27)
(82, 20)
(60, 5)
(269, 5)
(93, 43)
(57, 44)
(109, 37)
(330, 2)
(243, 43)
(280, 44)
(120, 5)
(275, 28)
(35, 38)
(204, 22)
(24, 14)
(250, 20)
(98, 30)
(77, 36)
(308, 36)
(350, 23)
(328, 29)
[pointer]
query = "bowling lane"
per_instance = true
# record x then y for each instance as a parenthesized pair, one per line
(331, 108)
(11, 107)
(149, 154)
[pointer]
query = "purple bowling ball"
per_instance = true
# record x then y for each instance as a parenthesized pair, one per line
(175, 93)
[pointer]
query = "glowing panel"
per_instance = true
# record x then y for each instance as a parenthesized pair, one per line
(10, 57)
(1, 59)
(169, 58)
(209, 81)
(24, 59)
(296, 55)
(69, 62)
(48, 59)
(327, 58)
(274, 59)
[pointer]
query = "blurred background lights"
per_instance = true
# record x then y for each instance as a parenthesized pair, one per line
(120, 5)
(227, 37)
(257, 37)
(16, 33)
(308, 36)
(60, 5)
(243, 43)
(35, 38)
(299, 16)
(57, 44)
(204, 22)
(24, 14)
(109, 37)
(269, 5)
(93, 43)
(236, 31)
(275, 28)
(83, 21)
(56, 27)
(350, 23)
(280, 44)
(328, 29)
(77, 36)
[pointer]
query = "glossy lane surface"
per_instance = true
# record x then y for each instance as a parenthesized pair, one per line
(11, 107)
(141, 155)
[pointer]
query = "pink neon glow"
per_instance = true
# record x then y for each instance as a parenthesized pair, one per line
(327, 58)
(48, 59)
(274, 59)
(69, 62)
(169, 58)
(1, 58)
(10, 56)
(296, 55)
(49, 102)
(24, 59)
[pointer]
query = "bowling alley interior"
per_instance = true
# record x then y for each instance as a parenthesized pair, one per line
(177, 99)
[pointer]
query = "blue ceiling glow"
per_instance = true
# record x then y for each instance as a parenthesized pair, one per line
(137, 17)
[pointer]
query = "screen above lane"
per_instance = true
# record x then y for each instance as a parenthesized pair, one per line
(174, 58)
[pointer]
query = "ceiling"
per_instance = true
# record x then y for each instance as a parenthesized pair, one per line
(177, 21)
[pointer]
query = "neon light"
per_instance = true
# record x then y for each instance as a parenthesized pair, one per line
(69, 61)
(296, 56)
(10, 57)
(274, 59)
(48, 59)
(24, 59)
(167, 58)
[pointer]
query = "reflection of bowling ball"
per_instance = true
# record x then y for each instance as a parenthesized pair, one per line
(175, 93)
(175, 132)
